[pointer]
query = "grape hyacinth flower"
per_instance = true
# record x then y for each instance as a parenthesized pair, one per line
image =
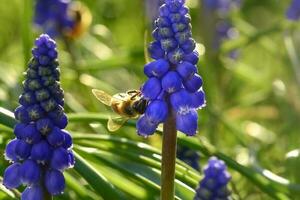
(293, 12)
(41, 150)
(214, 184)
(173, 84)
(53, 16)
(189, 156)
(223, 28)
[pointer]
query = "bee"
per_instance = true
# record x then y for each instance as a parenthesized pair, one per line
(129, 105)
(82, 20)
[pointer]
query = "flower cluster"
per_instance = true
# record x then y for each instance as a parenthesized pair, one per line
(173, 74)
(53, 16)
(41, 150)
(214, 184)
(224, 30)
(189, 156)
(293, 12)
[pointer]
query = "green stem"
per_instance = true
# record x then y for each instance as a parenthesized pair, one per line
(168, 158)
(47, 196)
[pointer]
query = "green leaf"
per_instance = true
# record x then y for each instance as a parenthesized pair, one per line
(277, 190)
(95, 179)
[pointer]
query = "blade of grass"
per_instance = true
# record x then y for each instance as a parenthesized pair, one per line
(96, 179)
(26, 29)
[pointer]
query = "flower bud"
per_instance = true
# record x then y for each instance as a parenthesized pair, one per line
(56, 137)
(198, 99)
(188, 46)
(157, 111)
(44, 126)
(30, 172)
(61, 159)
(192, 57)
(186, 69)
(11, 177)
(193, 83)
(22, 149)
(176, 56)
(34, 192)
(171, 82)
(181, 100)
(41, 152)
(18, 130)
(145, 127)
(54, 182)
(156, 68)
(151, 89)
(31, 134)
(155, 50)
(10, 150)
(187, 122)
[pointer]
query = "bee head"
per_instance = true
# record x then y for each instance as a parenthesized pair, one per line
(140, 106)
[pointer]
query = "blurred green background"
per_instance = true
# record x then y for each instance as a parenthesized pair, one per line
(253, 102)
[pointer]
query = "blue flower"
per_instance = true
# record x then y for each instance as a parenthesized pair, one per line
(157, 68)
(293, 12)
(171, 82)
(145, 126)
(223, 28)
(30, 172)
(10, 150)
(54, 182)
(40, 145)
(56, 138)
(214, 184)
(61, 159)
(41, 152)
(173, 78)
(22, 150)
(186, 121)
(33, 192)
(12, 178)
(157, 111)
(52, 16)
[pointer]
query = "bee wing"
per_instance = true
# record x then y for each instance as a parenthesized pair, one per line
(102, 96)
(115, 123)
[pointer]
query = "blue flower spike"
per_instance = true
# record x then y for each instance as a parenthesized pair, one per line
(189, 156)
(41, 146)
(59, 18)
(214, 184)
(173, 78)
(293, 12)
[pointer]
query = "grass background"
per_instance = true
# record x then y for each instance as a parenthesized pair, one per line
(253, 102)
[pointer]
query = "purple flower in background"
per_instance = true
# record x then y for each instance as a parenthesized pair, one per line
(221, 6)
(224, 30)
(152, 7)
(53, 16)
(42, 149)
(214, 184)
(172, 76)
(293, 12)
(189, 156)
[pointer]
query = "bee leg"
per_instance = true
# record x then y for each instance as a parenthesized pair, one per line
(135, 92)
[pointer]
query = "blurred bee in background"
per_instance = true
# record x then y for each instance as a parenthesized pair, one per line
(82, 19)
(129, 105)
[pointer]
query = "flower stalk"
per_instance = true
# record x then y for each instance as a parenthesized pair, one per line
(168, 158)
(174, 87)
